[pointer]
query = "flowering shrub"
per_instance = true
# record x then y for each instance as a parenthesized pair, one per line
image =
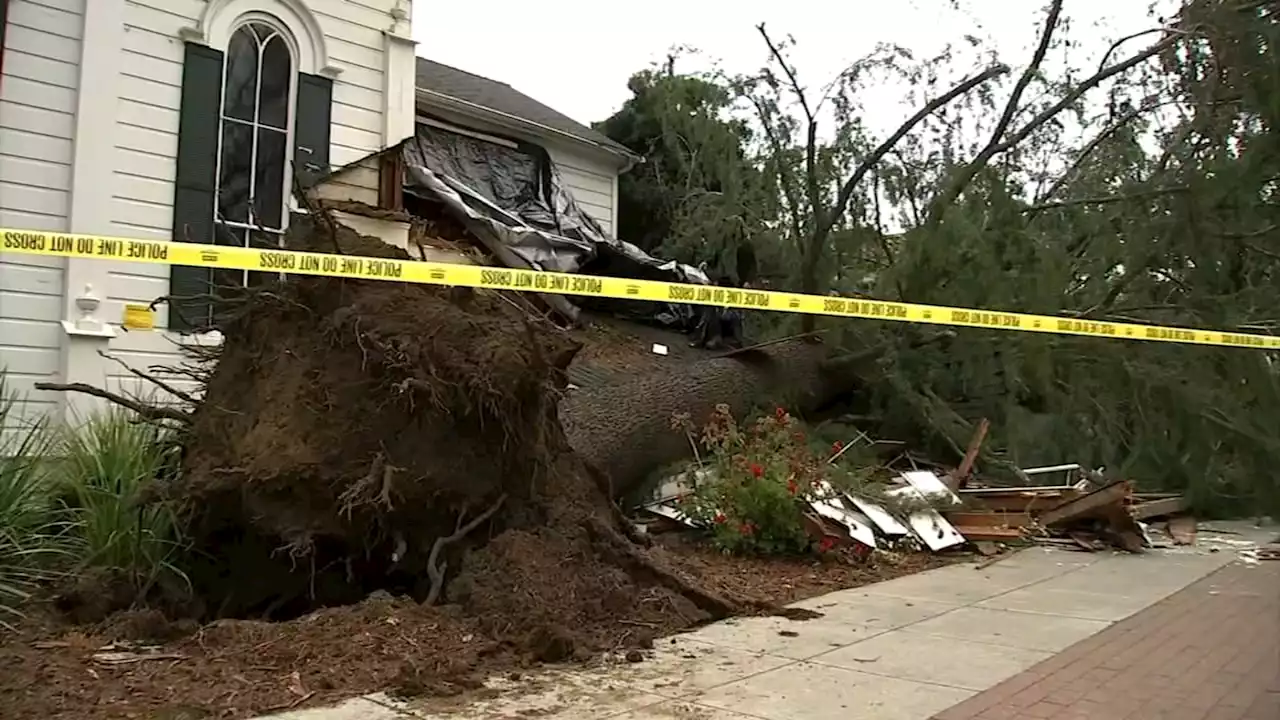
(754, 497)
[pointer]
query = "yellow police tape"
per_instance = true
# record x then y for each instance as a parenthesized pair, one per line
(368, 268)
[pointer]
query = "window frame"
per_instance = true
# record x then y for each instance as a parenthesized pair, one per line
(248, 228)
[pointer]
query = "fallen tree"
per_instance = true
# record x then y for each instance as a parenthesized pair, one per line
(362, 435)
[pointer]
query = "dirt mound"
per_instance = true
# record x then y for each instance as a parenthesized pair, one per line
(364, 435)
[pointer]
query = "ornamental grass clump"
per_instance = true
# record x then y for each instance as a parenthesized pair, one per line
(33, 539)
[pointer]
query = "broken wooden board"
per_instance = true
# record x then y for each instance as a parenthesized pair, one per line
(979, 533)
(1159, 508)
(1020, 499)
(988, 519)
(961, 477)
(1123, 531)
(1095, 504)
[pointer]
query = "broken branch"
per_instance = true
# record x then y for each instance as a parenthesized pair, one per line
(186, 397)
(850, 185)
(147, 412)
(811, 138)
(970, 171)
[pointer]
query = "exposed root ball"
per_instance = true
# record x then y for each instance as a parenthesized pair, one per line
(351, 425)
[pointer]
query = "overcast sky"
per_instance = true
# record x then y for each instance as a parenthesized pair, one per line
(576, 55)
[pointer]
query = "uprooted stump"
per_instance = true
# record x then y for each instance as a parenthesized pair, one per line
(365, 435)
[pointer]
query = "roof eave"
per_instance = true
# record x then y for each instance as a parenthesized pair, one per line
(625, 159)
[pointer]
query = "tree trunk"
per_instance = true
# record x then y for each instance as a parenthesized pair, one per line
(624, 430)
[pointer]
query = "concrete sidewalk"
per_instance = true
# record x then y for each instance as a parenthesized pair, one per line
(905, 649)
(1207, 652)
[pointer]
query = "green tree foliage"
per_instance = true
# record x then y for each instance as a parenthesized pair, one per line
(697, 196)
(1145, 190)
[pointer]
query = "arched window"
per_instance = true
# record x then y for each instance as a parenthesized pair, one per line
(254, 120)
(257, 108)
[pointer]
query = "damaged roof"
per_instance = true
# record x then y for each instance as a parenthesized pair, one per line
(502, 98)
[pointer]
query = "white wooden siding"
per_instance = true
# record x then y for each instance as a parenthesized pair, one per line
(37, 116)
(147, 139)
(590, 183)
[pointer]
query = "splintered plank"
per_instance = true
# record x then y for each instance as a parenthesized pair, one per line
(1092, 505)
(1159, 508)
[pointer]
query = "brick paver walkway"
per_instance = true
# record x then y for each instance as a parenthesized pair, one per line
(1208, 652)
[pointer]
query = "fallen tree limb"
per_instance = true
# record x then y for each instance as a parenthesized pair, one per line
(185, 397)
(148, 412)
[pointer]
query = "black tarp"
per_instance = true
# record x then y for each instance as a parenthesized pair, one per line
(511, 193)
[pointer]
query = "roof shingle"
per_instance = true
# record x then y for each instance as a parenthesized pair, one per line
(494, 95)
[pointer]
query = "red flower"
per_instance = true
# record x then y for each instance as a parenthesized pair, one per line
(826, 544)
(779, 413)
(756, 470)
(836, 447)
(791, 486)
(720, 518)
(747, 528)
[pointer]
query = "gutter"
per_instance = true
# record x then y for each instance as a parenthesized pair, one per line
(467, 107)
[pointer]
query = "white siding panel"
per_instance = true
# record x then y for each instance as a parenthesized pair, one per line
(37, 67)
(50, 45)
(31, 334)
(29, 280)
(37, 106)
(18, 305)
(39, 200)
(590, 182)
(37, 120)
(31, 93)
(63, 18)
(30, 361)
(32, 146)
(40, 173)
(358, 183)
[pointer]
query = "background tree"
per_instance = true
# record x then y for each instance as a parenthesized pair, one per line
(697, 196)
(1142, 190)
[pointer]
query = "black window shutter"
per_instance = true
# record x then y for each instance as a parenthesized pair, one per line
(196, 182)
(311, 123)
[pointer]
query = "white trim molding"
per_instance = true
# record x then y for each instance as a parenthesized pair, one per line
(220, 18)
(399, 80)
(94, 146)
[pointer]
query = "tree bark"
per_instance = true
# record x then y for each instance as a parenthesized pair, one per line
(624, 430)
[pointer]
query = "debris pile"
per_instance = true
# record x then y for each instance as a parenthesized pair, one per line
(949, 511)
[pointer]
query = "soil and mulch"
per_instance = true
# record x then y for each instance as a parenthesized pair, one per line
(380, 496)
(133, 666)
